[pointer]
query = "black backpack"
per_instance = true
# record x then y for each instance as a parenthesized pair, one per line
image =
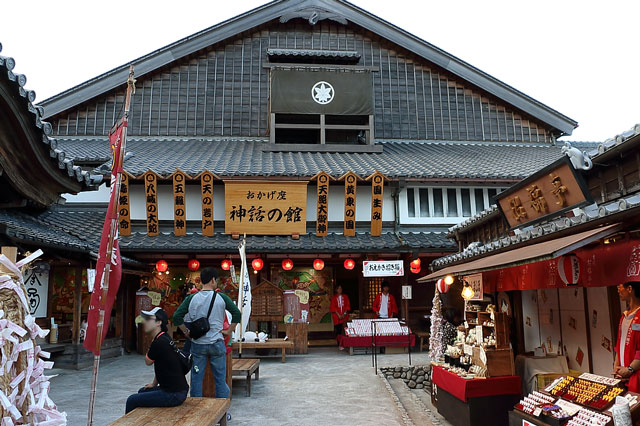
(200, 326)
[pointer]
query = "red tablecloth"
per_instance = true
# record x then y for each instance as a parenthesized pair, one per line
(464, 389)
(364, 341)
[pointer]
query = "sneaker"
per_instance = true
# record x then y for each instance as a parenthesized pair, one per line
(341, 348)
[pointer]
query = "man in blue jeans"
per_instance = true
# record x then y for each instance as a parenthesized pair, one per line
(169, 387)
(209, 347)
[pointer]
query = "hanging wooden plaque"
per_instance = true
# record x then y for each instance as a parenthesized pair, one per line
(179, 204)
(377, 187)
(124, 212)
(322, 214)
(206, 191)
(350, 185)
(151, 195)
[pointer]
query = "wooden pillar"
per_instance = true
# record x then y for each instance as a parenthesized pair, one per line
(77, 306)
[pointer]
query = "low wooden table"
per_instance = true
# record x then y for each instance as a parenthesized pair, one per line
(269, 344)
(422, 335)
(245, 367)
(194, 412)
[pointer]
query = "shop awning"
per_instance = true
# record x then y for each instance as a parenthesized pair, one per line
(527, 254)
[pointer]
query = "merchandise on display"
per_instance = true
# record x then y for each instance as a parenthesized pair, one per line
(585, 392)
(363, 328)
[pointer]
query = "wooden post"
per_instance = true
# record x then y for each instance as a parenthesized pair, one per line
(77, 306)
(11, 253)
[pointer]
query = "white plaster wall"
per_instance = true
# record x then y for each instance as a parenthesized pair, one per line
(598, 302)
(363, 203)
(574, 327)
(531, 320)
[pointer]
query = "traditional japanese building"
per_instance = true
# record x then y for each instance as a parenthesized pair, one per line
(315, 128)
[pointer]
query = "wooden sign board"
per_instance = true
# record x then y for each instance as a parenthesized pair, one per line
(322, 213)
(151, 195)
(124, 210)
(549, 192)
(350, 186)
(265, 208)
(377, 187)
(206, 191)
(179, 204)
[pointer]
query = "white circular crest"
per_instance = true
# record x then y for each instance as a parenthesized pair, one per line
(322, 92)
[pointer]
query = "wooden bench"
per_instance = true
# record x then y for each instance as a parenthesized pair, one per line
(245, 367)
(422, 335)
(269, 344)
(194, 412)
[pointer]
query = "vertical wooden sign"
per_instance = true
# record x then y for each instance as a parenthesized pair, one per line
(179, 204)
(377, 187)
(151, 194)
(206, 191)
(322, 214)
(350, 184)
(124, 212)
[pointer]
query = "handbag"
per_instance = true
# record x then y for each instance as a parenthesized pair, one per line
(185, 359)
(200, 326)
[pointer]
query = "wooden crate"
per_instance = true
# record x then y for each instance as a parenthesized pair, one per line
(267, 302)
(298, 334)
(499, 361)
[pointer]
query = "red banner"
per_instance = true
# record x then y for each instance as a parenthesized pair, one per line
(98, 302)
(603, 265)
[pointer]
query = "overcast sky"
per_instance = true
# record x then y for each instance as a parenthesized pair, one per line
(579, 57)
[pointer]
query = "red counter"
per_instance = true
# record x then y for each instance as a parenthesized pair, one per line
(365, 341)
(464, 389)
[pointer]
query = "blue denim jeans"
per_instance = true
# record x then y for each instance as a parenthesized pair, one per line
(155, 397)
(216, 354)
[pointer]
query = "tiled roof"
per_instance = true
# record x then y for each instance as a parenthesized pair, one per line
(245, 157)
(35, 113)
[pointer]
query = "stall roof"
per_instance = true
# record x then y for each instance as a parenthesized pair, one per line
(527, 254)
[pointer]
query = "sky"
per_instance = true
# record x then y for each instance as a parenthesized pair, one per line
(576, 56)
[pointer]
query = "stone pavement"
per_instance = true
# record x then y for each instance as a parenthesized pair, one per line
(324, 387)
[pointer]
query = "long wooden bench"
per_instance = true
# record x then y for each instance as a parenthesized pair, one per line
(246, 367)
(194, 412)
(269, 344)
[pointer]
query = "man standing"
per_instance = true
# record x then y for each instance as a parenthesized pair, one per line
(169, 387)
(384, 305)
(627, 363)
(209, 347)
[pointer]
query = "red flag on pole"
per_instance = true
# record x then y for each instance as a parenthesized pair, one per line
(99, 300)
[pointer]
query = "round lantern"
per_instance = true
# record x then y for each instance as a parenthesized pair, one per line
(226, 265)
(349, 264)
(193, 265)
(287, 264)
(415, 264)
(318, 264)
(162, 265)
(467, 291)
(448, 280)
(442, 286)
(569, 269)
(257, 264)
(415, 270)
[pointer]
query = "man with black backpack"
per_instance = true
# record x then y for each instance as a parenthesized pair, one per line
(169, 387)
(201, 317)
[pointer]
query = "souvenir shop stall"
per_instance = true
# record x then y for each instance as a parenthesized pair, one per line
(370, 334)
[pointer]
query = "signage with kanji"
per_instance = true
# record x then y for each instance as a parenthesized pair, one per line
(151, 195)
(350, 185)
(377, 186)
(265, 208)
(124, 211)
(206, 191)
(179, 204)
(322, 217)
(383, 268)
(475, 281)
(551, 191)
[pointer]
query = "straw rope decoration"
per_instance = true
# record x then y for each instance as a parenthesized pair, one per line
(24, 389)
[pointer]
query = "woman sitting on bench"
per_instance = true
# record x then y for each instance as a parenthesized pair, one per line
(169, 387)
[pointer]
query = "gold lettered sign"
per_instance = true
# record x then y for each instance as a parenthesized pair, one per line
(124, 211)
(377, 187)
(206, 191)
(552, 191)
(265, 208)
(179, 204)
(151, 195)
(322, 206)
(350, 185)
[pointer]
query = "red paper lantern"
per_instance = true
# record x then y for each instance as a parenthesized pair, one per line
(287, 264)
(349, 264)
(318, 264)
(226, 265)
(193, 264)
(442, 286)
(162, 265)
(569, 269)
(415, 264)
(415, 270)
(257, 264)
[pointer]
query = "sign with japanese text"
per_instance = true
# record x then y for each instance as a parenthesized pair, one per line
(377, 186)
(475, 281)
(406, 292)
(151, 195)
(206, 191)
(551, 191)
(265, 208)
(179, 204)
(350, 186)
(383, 268)
(322, 217)
(36, 284)
(124, 211)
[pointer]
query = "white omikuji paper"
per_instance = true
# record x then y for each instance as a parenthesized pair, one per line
(42, 411)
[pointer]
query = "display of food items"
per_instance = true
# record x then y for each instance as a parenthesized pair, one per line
(585, 392)
(589, 418)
